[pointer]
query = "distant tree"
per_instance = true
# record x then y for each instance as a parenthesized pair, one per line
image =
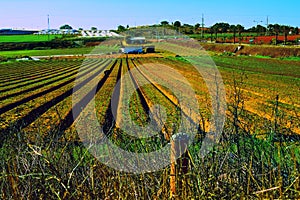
(127, 26)
(121, 28)
(177, 24)
(260, 29)
(240, 29)
(216, 28)
(233, 29)
(66, 26)
(164, 23)
(270, 29)
(220, 27)
(285, 29)
(276, 29)
(223, 27)
(80, 29)
(94, 28)
(252, 29)
(296, 30)
(188, 25)
(187, 29)
(197, 26)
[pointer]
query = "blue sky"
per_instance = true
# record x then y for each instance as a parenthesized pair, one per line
(109, 14)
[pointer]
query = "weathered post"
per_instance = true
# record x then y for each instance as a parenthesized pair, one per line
(179, 157)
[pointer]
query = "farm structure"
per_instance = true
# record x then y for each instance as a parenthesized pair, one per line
(82, 33)
(98, 33)
(58, 32)
(136, 40)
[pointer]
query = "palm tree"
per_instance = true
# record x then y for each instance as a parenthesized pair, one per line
(215, 28)
(286, 30)
(233, 29)
(296, 30)
(240, 29)
(270, 29)
(211, 31)
(276, 28)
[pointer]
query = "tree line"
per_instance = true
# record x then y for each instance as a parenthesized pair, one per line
(235, 30)
(271, 29)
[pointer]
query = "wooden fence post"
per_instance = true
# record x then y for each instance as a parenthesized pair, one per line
(179, 157)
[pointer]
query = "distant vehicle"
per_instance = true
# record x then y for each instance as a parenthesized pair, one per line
(150, 49)
(132, 50)
(136, 45)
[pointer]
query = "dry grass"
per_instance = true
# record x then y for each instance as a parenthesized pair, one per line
(241, 166)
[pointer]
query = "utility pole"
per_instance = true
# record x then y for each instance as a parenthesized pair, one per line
(48, 22)
(202, 27)
(267, 30)
(48, 27)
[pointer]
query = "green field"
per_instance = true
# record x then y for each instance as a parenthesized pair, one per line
(66, 51)
(28, 38)
(49, 52)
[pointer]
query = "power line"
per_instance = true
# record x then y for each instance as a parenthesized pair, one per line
(257, 22)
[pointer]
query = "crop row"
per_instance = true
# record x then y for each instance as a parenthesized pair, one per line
(258, 96)
(19, 71)
(24, 102)
(25, 108)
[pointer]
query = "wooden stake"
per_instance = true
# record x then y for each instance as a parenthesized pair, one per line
(179, 155)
